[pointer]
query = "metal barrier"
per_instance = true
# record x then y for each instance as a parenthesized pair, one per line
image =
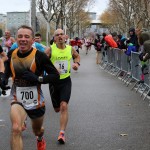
(135, 66)
(118, 61)
(136, 69)
(115, 61)
(109, 58)
(104, 56)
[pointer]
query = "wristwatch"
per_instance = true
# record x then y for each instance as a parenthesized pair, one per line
(77, 63)
(40, 79)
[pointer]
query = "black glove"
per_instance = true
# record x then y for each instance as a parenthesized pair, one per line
(4, 89)
(3, 83)
(30, 76)
(2, 77)
(2, 80)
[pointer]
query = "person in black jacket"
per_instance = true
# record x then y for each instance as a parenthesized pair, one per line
(121, 42)
(97, 45)
(133, 38)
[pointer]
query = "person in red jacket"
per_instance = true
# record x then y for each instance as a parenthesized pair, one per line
(109, 40)
(76, 43)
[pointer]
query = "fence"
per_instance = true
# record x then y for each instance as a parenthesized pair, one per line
(128, 68)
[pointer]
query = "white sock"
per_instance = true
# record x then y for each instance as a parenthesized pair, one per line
(62, 131)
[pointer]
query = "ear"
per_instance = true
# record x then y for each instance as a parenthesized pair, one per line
(32, 40)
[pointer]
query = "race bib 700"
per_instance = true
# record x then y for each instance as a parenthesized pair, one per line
(28, 96)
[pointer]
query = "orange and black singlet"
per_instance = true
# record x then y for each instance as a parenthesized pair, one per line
(25, 92)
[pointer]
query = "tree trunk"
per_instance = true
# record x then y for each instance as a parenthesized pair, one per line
(48, 34)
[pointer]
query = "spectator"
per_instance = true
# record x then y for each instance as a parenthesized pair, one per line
(7, 41)
(130, 48)
(109, 40)
(121, 42)
(133, 39)
(97, 44)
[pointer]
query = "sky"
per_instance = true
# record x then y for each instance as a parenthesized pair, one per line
(24, 5)
(99, 6)
(14, 5)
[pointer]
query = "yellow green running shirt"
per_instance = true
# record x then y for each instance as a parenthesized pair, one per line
(62, 60)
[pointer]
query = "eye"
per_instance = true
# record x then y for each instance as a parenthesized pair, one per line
(59, 34)
(27, 36)
(19, 36)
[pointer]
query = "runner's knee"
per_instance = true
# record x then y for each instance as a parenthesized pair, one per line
(16, 129)
(63, 106)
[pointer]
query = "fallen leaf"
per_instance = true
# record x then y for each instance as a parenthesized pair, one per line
(123, 134)
(128, 104)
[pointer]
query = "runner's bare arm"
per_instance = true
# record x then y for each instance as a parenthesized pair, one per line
(48, 51)
(75, 55)
(4, 56)
(12, 39)
(2, 68)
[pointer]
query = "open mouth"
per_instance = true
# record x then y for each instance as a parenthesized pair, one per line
(60, 39)
(22, 45)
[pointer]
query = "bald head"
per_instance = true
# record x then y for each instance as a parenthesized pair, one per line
(58, 31)
(59, 36)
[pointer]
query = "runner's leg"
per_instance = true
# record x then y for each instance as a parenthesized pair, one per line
(17, 116)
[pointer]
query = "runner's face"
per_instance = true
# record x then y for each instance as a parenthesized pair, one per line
(38, 39)
(60, 37)
(7, 34)
(24, 39)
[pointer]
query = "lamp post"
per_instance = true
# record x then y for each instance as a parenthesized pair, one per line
(33, 14)
(65, 27)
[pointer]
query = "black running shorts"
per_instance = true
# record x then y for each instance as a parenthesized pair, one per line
(34, 113)
(60, 92)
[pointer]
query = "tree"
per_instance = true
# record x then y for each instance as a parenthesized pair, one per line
(127, 13)
(2, 27)
(47, 8)
(62, 12)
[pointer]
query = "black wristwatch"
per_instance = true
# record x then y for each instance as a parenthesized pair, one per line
(77, 63)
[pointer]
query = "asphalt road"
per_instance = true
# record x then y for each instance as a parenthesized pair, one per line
(104, 114)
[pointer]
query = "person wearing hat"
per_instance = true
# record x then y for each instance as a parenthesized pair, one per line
(133, 38)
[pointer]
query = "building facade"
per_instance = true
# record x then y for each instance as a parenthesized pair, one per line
(3, 19)
(95, 25)
(16, 19)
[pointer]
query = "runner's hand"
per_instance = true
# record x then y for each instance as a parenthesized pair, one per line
(3, 83)
(2, 80)
(30, 76)
(75, 66)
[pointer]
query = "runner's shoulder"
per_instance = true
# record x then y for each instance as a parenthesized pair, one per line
(41, 56)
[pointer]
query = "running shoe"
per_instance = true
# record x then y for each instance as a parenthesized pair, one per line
(41, 145)
(61, 138)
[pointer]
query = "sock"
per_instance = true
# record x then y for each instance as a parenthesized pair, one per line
(40, 138)
(62, 131)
